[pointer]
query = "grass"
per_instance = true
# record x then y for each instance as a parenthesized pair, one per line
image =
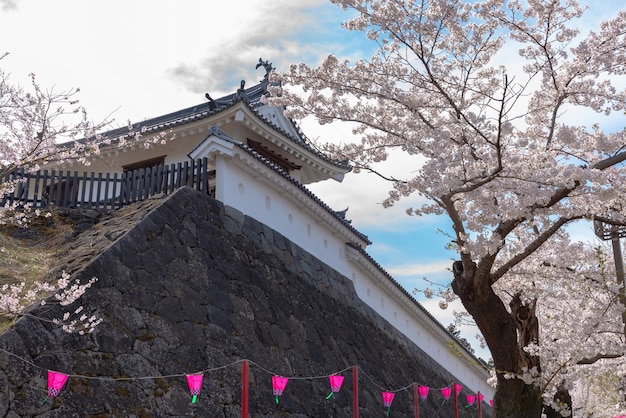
(22, 261)
(27, 255)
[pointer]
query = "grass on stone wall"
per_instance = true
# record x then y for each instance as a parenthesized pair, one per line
(26, 255)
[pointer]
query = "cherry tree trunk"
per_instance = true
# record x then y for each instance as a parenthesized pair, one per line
(506, 333)
(516, 399)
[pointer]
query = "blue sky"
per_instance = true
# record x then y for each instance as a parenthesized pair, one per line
(143, 58)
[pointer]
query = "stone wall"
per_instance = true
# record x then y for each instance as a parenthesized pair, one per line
(186, 285)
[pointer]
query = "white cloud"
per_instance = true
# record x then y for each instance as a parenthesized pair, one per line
(363, 193)
(124, 54)
(8, 5)
(421, 269)
(238, 36)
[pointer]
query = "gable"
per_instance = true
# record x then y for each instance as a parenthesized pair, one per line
(276, 116)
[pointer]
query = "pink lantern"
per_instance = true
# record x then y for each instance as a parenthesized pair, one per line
(335, 384)
(278, 384)
(481, 397)
(445, 392)
(56, 381)
(194, 381)
(470, 399)
(387, 399)
(457, 387)
(423, 391)
(491, 403)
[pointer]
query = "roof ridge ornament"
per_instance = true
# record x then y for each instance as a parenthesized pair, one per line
(214, 130)
(212, 104)
(268, 69)
(241, 92)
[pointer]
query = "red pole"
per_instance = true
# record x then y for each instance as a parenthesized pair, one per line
(355, 391)
(456, 401)
(244, 389)
(416, 401)
(480, 410)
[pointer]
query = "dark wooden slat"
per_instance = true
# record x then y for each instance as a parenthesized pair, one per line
(55, 195)
(45, 192)
(74, 193)
(66, 188)
(107, 181)
(115, 194)
(83, 191)
(37, 202)
(104, 190)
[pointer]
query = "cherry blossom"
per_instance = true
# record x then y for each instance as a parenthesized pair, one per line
(498, 153)
(16, 300)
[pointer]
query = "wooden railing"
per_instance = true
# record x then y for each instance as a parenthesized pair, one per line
(102, 191)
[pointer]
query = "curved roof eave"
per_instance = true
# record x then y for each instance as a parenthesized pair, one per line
(299, 149)
(251, 99)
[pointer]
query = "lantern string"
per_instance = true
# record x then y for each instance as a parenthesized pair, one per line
(213, 369)
(299, 377)
(381, 387)
(22, 359)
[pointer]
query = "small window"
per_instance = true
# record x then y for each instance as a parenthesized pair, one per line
(273, 156)
(152, 162)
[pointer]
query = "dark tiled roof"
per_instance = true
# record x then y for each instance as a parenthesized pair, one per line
(251, 96)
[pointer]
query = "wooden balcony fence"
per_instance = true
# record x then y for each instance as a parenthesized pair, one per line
(102, 191)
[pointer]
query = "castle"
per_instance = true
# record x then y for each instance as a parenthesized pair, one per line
(254, 160)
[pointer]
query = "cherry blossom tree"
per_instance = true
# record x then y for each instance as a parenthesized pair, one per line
(39, 126)
(576, 330)
(34, 124)
(501, 157)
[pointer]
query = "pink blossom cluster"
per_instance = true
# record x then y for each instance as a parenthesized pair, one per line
(17, 299)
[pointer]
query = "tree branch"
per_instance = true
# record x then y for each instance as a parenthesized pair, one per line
(531, 248)
(592, 360)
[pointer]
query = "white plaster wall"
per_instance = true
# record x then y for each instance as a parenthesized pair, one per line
(272, 205)
(242, 191)
(407, 321)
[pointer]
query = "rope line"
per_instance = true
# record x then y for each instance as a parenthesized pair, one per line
(213, 369)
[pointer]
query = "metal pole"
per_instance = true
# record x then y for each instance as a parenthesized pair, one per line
(416, 402)
(456, 401)
(355, 391)
(480, 410)
(619, 272)
(244, 389)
